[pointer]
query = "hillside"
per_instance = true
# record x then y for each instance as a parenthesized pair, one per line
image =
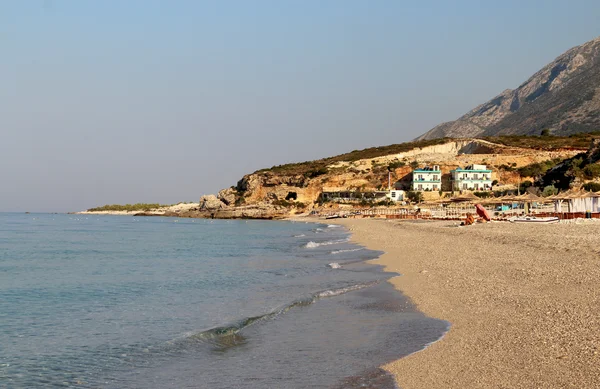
(284, 190)
(563, 98)
(297, 187)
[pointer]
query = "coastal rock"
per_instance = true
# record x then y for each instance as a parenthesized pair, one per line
(211, 203)
(227, 196)
(271, 197)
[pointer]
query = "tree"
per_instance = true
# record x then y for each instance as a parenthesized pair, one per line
(414, 164)
(591, 171)
(592, 186)
(414, 196)
(550, 190)
(545, 132)
(524, 186)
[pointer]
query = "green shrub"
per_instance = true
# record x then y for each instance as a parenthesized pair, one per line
(592, 186)
(506, 168)
(550, 190)
(127, 207)
(316, 172)
(539, 168)
(591, 171)
(525, 185)
(414, 164)
(396, 165)
(414, 196)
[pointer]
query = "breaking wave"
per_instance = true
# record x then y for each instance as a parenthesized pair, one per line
(312, 245)
(299, 236)
(345, 251)
(232, 329)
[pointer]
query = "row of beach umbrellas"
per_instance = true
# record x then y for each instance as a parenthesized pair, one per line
(525, 198)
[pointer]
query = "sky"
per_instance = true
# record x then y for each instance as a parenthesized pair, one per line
(112, 101)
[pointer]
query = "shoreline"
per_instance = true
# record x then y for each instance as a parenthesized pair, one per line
(522, 300)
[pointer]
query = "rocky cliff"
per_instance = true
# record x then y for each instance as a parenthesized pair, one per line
(563, 98)
(296, 188)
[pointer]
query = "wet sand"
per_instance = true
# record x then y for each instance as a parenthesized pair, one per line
(523, 301)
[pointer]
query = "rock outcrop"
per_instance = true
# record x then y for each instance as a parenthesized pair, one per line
(211, 203)
(563, 98)
(228, 196)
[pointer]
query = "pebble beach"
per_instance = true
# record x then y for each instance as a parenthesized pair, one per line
(523, 300)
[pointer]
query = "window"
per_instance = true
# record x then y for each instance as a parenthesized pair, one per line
(435, 177)
(465, 186)
(476, 176)
(393, 194)
(420, 187)
(420, 177)
(485, 177)
(464, 176)
(476, 186)
(435, 187)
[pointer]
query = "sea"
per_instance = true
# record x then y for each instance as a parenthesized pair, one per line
(95, 301)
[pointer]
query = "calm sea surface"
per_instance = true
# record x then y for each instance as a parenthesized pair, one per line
(127, 302)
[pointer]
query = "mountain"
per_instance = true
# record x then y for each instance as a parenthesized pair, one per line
(563, 98)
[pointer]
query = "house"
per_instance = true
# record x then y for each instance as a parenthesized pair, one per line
(472, 177)
(428, 178)
(395, 195)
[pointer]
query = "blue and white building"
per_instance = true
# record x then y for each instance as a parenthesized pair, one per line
(472, 177)
(428, 178)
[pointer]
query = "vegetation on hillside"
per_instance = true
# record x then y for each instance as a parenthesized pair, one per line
(127, 207)
(312, 169)
(537, 169)
(315, 168)
(575, 141)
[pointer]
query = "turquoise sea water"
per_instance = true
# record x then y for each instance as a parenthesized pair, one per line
(126, 302)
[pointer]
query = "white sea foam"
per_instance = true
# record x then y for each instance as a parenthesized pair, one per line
(333, 226)
(337, 292)
(312, 245)
(334, 265)
(345, 251)
(299, 236)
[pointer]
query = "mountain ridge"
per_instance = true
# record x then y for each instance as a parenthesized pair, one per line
(563, 97)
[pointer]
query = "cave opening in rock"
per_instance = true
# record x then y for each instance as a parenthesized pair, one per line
(291, 196)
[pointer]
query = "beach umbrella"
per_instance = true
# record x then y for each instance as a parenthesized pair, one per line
(482, 212)
(529, 198)
(465, 197)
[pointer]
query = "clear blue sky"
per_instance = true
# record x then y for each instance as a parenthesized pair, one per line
(118, 101)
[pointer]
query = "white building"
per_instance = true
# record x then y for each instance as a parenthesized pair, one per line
(473, 177)
(395, 195)
(428, 178)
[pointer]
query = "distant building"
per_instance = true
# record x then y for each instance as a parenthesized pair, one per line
(395, 195)
(472, 177)
(428, 178)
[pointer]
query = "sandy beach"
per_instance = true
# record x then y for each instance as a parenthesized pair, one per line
(523, 301)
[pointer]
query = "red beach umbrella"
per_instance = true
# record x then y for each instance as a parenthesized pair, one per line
(482, 212)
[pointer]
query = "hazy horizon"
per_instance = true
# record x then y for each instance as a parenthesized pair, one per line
(161, 102)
